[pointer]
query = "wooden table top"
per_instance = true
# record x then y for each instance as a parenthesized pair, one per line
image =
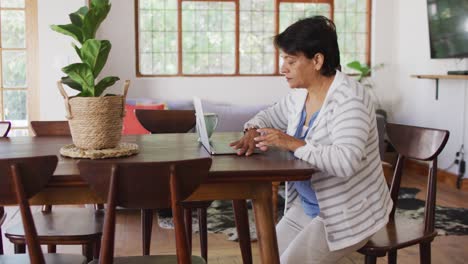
(273, 165)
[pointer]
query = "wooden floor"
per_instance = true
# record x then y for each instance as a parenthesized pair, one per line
(445, 249)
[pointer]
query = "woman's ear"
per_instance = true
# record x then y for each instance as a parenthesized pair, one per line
(318, 61)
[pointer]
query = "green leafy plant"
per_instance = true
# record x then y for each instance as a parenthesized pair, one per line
(93, 52)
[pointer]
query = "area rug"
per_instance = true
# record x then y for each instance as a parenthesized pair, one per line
(449, 221)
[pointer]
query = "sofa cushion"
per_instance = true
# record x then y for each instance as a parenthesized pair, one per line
(131, 125)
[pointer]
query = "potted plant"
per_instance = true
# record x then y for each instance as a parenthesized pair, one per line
(364, 78)
(95, 120)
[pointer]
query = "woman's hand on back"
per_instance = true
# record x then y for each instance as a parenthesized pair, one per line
(246, 145)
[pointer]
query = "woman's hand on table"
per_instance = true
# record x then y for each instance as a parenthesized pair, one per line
(246, 145)
(270, 137)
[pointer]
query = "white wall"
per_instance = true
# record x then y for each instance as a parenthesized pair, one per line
(415, 98)
(400, 40)
(55, 51)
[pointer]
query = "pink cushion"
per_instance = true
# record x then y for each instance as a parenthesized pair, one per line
(131, 125)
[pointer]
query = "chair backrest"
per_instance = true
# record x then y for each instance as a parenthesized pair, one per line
(20, 179)
(4, 128)
(166, 121)
(143, 185)
(423, 144)
(50, 128)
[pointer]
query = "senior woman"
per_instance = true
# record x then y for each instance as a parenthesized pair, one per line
(328, 120)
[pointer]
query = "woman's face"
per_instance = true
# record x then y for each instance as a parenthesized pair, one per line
(299, 71)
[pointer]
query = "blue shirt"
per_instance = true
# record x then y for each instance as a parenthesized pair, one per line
(306, 193)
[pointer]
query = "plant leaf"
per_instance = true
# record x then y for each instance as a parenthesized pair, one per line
(94, 53)
(99, 3)
(104, 83)
(69, 30)
(355, 65)
(93, 19)
(72, 84)
(77, 17)
(77, 49)
(82, 74)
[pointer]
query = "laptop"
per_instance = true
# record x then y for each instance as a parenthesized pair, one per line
(219, 148)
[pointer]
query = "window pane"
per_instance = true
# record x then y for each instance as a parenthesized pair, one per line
(351, 25)
(292, 12)
(256, 36)
(158, 37)
(15, 107)
(13, 29)
(12, 3)
(208, 40)
(14, 69)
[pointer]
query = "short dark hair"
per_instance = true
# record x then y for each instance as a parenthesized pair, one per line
(310, 36)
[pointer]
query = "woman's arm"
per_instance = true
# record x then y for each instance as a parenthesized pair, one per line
(351, 123)
(275, 116)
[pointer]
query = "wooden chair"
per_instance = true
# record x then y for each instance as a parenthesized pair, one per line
(74, 226)
(145, 186)
(422, 144)
(173, 121)
(4, 128)
(182, 121)
(50, 128)
(20, 179)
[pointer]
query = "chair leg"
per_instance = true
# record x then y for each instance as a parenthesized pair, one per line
(425, 253)
(51, 248)
(98, 207)
(97, 249)
(88, 251)
(392, 257)
(46, 208)
(19, 248)
(146, 229)
(242, 226)
(203, 233)
(371, 259)
(188, 227)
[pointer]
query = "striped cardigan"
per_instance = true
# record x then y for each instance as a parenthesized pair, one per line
(343, 144)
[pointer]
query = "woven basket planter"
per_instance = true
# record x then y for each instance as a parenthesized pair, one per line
(95, 122)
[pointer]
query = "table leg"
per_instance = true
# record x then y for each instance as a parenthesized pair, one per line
(243, 232)
(266, 232)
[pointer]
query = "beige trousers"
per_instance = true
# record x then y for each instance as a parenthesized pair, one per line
(302, 240)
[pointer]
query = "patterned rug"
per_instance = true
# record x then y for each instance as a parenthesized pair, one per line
(449, 221)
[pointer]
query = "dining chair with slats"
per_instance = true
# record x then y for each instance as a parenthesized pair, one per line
(421, 144)
(132, 185)
(74, 226)
(20, 179)
(173, 121)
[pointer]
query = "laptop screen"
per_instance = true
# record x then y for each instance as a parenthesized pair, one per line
(201, 126)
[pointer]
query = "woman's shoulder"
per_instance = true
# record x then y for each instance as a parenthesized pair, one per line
(348, 88)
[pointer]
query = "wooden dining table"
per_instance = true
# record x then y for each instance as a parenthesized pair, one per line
(231, 177)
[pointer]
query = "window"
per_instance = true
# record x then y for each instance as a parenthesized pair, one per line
(14, 60)
(234, 37)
